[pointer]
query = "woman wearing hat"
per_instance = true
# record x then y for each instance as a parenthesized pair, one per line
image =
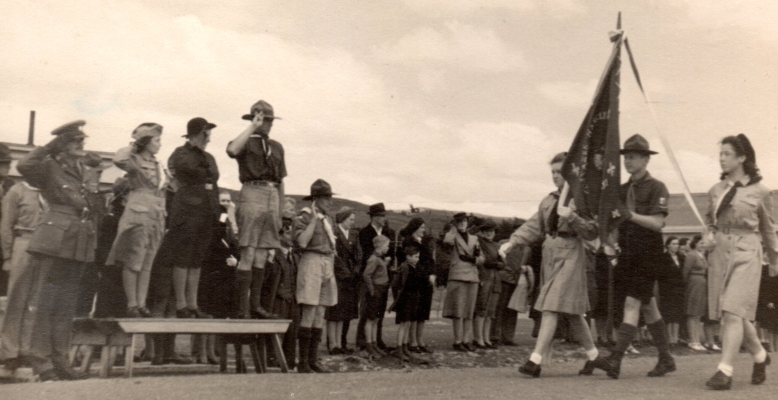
(142, 224)
(347, 278)
(740, 218)
(490, 285)
(462, 288)
(414, 235)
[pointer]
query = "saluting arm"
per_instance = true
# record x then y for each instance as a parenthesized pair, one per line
(236, 146)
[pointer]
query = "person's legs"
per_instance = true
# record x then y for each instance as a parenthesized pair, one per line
(369, 337)
(179, 286)
(332, 327)
(192, 285)
(411, 337)
(488, 331)
(479, 330)
(457, 327)
(467, 329)
(130, 282)
(344, 333)
(419, 336)
(694, 334)
(144, 277)
(542, 348)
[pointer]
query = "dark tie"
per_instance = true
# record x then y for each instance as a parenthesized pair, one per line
(631, 197)
(727, 200)
(553, 219)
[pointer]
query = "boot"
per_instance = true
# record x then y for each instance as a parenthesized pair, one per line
(614, 359)
(400, 354)
(719, 381)
(257, 280)
(665, 364)
(304, 339)
(313, 359)
(243, 283)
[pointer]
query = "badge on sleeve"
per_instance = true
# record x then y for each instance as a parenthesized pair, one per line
(663, 201)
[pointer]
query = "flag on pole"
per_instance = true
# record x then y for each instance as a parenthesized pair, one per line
(592, 168)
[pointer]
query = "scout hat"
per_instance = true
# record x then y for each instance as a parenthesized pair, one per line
(5, 154)
(320, 188)
(488, 225)
(377, 209)
(147, 129)
(197, 125)
(636, 144)
(71, 130)
(260, 106)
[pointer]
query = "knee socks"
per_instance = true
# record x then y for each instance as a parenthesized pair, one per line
(625, 335)
(658, 332)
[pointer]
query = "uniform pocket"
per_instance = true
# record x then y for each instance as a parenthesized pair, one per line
(48, 236)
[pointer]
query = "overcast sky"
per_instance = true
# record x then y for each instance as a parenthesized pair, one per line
(447, 104)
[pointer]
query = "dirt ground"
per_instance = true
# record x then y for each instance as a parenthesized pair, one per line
(449, 374)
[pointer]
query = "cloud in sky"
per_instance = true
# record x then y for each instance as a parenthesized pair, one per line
(457, 45)
(445, 104)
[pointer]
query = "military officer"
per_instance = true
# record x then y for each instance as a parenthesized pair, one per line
(60, 247)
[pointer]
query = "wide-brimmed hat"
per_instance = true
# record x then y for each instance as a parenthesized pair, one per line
(377, 209)
(320, 188)
(197, 125)
(260, 106)
(71, 130)
(637, 144)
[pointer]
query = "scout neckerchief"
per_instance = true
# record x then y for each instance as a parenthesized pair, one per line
(327, 226)
(726, 200)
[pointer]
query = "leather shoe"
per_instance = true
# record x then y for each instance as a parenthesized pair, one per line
(663, 366)
(183, 313)
(70, 374)
(196, 313)
(599, 362)
(319, 368)
(425, 349)
(144, 312)
(758, 376)
(719, 381)
(132, 312)
(531, 369)
(265, 314)
(459, 347)
(48, 375)
(615, 366)
(179, 360)
(509, 343)
(469, 347)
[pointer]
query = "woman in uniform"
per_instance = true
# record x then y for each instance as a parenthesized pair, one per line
(142, 224)
(740, 214)
(694, 270)
(563, 273)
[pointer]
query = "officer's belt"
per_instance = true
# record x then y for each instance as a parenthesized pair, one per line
(63, 209)
(564, 235)
(261, 183)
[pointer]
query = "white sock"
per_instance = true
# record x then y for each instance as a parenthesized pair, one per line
(592, 354)
(536, 358)
(726, 369)
(761, 356)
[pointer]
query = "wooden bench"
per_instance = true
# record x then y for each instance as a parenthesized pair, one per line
(113, 334)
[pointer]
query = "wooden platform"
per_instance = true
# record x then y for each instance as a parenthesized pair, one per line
(113, 334)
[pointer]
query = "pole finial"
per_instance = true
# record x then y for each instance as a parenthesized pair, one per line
(618, 21)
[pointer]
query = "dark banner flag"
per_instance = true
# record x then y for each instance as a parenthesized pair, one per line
(592, 168)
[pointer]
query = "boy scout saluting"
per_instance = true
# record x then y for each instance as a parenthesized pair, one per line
(262, 170)
(60, 246)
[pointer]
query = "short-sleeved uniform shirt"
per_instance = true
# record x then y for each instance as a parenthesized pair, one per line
(641, 248)
(257, 164)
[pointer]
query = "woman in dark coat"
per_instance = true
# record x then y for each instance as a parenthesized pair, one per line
(347, 278)
(671, 289)
(414, 234)
(694, 272)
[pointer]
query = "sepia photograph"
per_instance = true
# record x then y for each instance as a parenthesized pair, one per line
(388, 199)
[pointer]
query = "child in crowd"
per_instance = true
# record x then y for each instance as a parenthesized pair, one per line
(408, 283)
(376, 277)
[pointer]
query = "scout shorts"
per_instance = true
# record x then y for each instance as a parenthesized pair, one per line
(258, 219)
(316, 284)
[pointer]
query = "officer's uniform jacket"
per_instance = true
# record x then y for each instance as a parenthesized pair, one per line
(67, 230)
